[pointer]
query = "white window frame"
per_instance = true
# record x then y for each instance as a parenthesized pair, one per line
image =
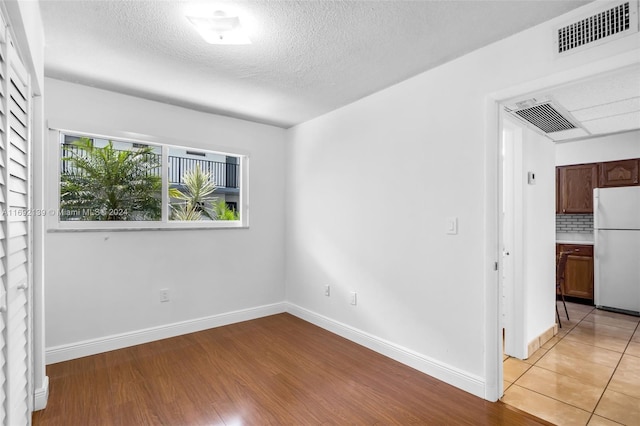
(53, 155)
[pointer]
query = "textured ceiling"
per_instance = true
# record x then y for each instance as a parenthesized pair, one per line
(307, 57)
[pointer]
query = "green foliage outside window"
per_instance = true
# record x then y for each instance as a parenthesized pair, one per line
(195, 201)
(223, 212)
(106, 184)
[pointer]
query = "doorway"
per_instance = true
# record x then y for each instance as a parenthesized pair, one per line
(528, 240)
(515, 310)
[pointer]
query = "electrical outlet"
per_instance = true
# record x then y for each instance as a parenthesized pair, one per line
(327, 290)
(164, 295)
(353, 298)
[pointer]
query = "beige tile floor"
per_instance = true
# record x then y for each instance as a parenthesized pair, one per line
(588, 374)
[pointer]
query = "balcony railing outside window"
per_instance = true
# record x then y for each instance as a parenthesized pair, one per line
(224, 175)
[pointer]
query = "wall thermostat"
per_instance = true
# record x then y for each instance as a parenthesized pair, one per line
(531, 178)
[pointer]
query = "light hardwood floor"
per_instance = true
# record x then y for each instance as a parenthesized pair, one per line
(277, 370)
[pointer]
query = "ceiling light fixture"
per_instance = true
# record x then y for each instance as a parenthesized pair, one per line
(220, 29)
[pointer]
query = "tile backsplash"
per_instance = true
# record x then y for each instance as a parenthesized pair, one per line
(580, 223)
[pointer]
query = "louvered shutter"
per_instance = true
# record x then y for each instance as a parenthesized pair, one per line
(3, 207)
(15, 107)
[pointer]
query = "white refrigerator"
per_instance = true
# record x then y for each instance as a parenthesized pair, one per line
(617, 248)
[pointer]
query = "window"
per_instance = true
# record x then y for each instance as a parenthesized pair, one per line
(109, 183)
(201, 184)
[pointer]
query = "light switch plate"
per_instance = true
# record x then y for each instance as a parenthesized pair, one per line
(452, 225)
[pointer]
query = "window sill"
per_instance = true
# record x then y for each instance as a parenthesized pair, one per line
(153, 226)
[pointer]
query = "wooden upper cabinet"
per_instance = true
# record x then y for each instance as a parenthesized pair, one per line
(619, 173)
(575, 184)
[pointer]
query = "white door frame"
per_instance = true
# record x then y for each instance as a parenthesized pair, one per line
(493, 184)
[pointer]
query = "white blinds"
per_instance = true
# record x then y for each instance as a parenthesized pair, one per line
(3, 206)
(15, 405)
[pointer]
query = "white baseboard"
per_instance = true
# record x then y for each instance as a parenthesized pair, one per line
(441, 371)
(41, 395)
(123, 340)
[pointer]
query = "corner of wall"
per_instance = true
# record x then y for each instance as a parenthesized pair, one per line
(41, 395)
(540, 340)
(464, 380)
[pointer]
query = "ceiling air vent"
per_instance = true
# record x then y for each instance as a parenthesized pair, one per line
(606, 25)
(545, 117)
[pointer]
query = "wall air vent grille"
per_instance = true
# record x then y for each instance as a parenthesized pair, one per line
(546, 118)
(594, 29)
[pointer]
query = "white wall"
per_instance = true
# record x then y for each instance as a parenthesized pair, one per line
(607, 148)
(103, 284)
(539, 234)
(427, 294)
(530, 287)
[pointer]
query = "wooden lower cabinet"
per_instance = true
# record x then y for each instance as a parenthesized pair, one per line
(578, 280)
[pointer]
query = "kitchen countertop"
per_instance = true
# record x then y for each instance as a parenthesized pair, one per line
(584, 243)
(574, 238)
